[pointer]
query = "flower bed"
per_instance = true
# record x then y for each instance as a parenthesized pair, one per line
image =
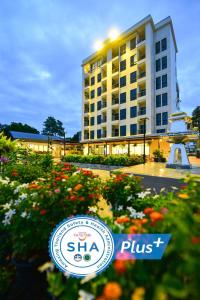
(115, 160)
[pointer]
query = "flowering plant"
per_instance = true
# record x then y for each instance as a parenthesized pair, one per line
(121, 190)
(175, 276)
(32, 210)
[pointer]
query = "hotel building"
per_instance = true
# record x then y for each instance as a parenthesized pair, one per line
(130, 86)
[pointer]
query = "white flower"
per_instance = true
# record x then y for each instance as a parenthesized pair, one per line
(174, 188)
(4, 181)
(131, 175)
(120, 207)
(162, 190)
(63, 179)
(88, 278)
(23, 196)
(6, 221)
(34, 204)
(24, 214)
(93, 209)
(131, 209)
(127, 187)
(16, 191)
(10, 213)
(6, 206)
(77, 172)
(142, 195)
(140, 215)
(85, 296)
(69, 189)
(129, 198)
(17, 202)
(155, 196)
(34, 194)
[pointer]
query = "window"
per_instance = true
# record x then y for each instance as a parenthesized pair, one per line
(123, 49)
(133, 77)
(133, 94)
(99, 119)
(92, 134)
(157, 47)
(164, 118)
(132, 44)
(164, 99)
(123, 65)
(160, 131)
(132, 60)
(122, 81)
(164, 80)
(123, 97)
(123, 130)
(92, 107)
(99, 77)
(164, 44)
(158, 65)
(92, 94)
(98, 105)
(122, 114)
(133, 111)
(158, 83)
(158, 101)
(158, 119)
(164, 62)
(99, 91)
(99, 133)
(133, 129)
(93, 80)
(92, 121)
(142, 129)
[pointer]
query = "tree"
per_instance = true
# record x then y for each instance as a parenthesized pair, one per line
(196, 118)
(52, 126)
(76, 137)
(14, 126)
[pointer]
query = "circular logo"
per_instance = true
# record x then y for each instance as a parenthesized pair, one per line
(81, 246)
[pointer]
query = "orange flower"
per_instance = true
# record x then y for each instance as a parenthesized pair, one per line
(122, 219)
(133, 229)
(33, 186)
(101, 298)
(112, 291)
(58, 178)
(78, 187)
(65, 177)
(156, 216)
(120, 266)
(138, 294)
(148, 210)
(183, 196)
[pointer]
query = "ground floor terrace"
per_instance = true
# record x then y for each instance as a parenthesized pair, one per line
(132, 146)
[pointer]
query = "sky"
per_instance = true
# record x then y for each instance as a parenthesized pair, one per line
(43, 42)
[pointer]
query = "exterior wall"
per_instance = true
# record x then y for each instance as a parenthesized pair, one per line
(153, 33)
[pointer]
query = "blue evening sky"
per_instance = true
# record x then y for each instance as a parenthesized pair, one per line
(43, 42)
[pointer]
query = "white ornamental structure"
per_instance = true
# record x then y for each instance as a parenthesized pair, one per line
(178, 136)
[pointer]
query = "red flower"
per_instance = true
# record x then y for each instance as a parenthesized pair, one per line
(43, 212)
(58, 178)
(148, 210)
(81, 198)
(120, 266)
(73, 197)
(195, 240)
(156, 216)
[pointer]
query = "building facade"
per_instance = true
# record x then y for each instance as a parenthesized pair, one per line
(130, 86)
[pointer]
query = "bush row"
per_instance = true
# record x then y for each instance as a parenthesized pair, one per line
(115, 160)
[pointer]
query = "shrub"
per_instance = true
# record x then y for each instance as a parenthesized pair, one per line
(158, 156)
(117, 160)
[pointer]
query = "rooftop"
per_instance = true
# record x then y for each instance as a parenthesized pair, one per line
(33, 136)
(129, 31)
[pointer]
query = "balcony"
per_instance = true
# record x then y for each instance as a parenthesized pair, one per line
(103, 104)
(115, 101)
(140, 40)
(115, 132)
(115, 117)
(104, 134)
(141, 57)
(86, 95)
(142, 75)
(104, 119)
(86, 123)
(142, 111)
(115, 69)
(86, 82)
(115, 85)
(142, 93)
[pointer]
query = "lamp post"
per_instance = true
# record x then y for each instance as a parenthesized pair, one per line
(144, 139)
(64, 142)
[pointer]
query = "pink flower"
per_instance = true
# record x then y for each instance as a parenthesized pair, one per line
(57, 190)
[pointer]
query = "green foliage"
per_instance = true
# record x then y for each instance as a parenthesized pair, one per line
(14, 126)
(121, 190)
(115, 160)
(196, 118)
(158, 156)
(6, 145)
(176, 275)
(53, 127)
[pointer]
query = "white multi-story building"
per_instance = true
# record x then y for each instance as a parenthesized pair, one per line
(130, 86)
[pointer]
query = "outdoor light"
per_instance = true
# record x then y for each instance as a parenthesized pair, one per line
(98, 45)
(113, 34)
